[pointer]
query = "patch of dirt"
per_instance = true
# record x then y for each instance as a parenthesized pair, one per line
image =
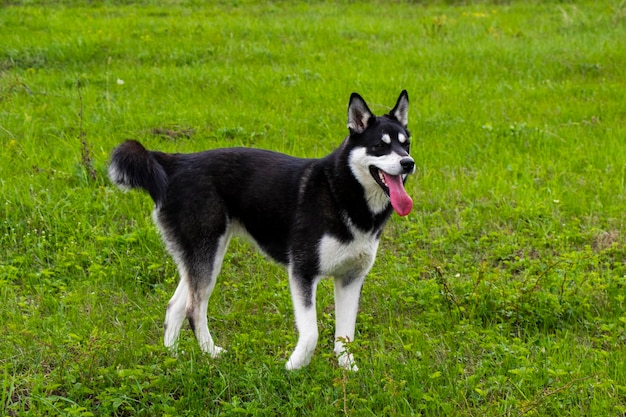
(173, 133)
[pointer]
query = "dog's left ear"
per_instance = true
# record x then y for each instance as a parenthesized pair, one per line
(401, 110)
(359, 115)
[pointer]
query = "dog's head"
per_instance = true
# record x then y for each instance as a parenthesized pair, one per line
(379, 156)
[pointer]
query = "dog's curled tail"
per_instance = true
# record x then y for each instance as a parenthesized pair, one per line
(133, 166)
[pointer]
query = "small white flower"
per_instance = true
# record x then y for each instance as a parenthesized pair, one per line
(120, 81)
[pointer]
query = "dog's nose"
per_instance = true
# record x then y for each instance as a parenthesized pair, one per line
(407, 164)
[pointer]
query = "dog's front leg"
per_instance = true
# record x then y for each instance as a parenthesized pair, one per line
(347, 295)
(303, 294)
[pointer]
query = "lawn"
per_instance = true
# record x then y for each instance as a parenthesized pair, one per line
(502, 293)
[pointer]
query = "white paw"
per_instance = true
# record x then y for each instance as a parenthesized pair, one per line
(346, 361)
(216, 352)
(296, 362)
(172, 349)
(212, 349)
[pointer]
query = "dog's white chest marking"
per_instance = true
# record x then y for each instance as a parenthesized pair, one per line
(338, 258)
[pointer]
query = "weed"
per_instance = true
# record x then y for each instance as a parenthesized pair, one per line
(86, 156)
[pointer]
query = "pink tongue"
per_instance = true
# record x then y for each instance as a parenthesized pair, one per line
(400, 200)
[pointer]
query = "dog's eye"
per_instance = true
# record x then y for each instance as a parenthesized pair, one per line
(381, 145)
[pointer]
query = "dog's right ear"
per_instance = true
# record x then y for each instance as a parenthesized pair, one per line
(359, 115)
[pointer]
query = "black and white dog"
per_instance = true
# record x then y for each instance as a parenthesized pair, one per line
(318, 217)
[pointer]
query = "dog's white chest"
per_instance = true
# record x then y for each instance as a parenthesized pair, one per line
(338, 258)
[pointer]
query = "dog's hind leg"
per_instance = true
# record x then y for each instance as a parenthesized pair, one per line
(175, 314)
(347, 295)
(303, 295)
(198, 274)
(202, 281)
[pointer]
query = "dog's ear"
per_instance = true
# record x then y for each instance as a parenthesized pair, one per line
(401, 110)
(359, 115)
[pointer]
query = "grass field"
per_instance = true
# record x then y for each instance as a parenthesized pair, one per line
(502, 294)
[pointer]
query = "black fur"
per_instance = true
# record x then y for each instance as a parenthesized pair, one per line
(190, 201)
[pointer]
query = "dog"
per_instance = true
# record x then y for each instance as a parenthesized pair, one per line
(317, 217)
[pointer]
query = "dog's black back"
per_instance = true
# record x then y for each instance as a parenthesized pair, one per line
(275, 197)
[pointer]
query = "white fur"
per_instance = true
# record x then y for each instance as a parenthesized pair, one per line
(118, 177)
(360, 161)
(358, 122)
(351, 260)
(402, 110)
(338, 258)
(306, 323)
(346, 309)
(358, 115)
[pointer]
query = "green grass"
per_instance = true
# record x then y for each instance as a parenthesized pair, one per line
(502, 294)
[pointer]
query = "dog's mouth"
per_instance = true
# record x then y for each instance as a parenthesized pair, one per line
(393, 186)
